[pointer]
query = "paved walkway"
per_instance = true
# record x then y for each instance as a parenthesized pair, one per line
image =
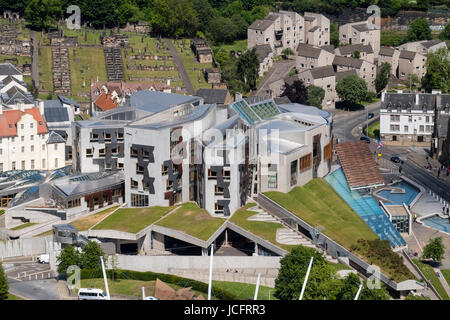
(443, 281)
(180, 66)
(419, 157)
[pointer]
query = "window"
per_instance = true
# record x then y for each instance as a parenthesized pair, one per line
(56, 146)
(43, 147)
(212, 174)
(31, 137)
(409, 118)
(94, 137)
(306, 162)
(31, 125)
(32, 164)
(164, 170)
(43, 163)
(139, 200)
(56, 162)
(1, 167)
(133, 184)
(101, 152)
(427, 119)
(1, 151)
(32, 148)
(133, 153)
(22, 126)
(169, 184)
(12, 139)
(395, 118)
(405, 128)
(294, 172)
(23, 164)
(139, 169)
(421, 128)
(395, 127)
(218, 190)
(272, 179)
(73, 203)
(89, 153)
(218, 208)
(13, 165)
(120, 136)
(22, 138)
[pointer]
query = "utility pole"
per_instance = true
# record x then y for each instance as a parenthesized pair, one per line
(257, 287)
(210, 272)
(306, 279)
(104, 278)
(359, 291)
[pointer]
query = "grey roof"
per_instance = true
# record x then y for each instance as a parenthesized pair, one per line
(54, 137)
(345, 50)
(261, 25)
(347, 61)
(306, 50)
(444, 125)
(387, 51)
(361, 27)
(14, 93)
(329, 48)
(217, 96)
(405, 54)
(54, 112)
(429, 44)
(68, 101)
(322, 72)
(271, 16)
(343, 74)
(263, 51)
(11, 78)
(9, 69)
(406, 101)
(309, 18)
(87, 183)
(155, 101)
(313, 29)
(304, 109)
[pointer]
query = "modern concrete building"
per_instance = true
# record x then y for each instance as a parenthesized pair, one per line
(360, 33)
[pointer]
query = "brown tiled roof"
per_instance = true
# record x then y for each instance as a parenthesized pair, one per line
(105, 102)
(358, 164)
(9, 119)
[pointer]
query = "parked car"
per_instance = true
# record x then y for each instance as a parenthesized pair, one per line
(370, 115)
(396, 159)
(366, 139)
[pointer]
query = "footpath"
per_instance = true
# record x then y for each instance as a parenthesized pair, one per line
(420, 158)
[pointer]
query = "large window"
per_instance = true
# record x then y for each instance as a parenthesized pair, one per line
(74, 203)
(294, 173)
(328, 152)
(139, 200)
(133, 184)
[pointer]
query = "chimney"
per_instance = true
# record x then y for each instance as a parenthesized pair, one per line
(382, 95)
(417, 99)
(41, 107)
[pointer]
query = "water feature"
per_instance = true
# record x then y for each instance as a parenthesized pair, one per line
(409, 194)
(436, 222)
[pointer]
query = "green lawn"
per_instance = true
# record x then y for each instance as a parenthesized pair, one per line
(373, 126)
(193, 68)
(246, 290)
(446, 274)
(85, 36)
(132, 220)
(2, 211)
(23, 226)
(334, 216)
(236, 46)
(20, 60)
(429, 273)
(86, 64)
(265, 230)
(13, 297)
(86, 223)
(191, 219)
(45, 68)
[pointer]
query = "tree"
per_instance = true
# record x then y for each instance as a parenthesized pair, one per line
(248, 68)
(412, 79)
(382, 77)
(3, 284)
(334, 34)
(69, 256)
(222, 30)
(414, 297)
(296, 92)
(434, 250)
(287, 52)
(438, 72)
(419, 29)
(90, 258)
(205, 13)
(294, 265)
(445, 34)
(356, 54)
(315, 96)
(43, 14)
(352, 89)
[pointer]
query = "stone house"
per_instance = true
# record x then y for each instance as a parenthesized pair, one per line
(309, 57)
(212, 75)
(360, 33)
(391, 56)
(424, 46)
(265, 58)
(411, 62)
(364, 69)
(323, 77)
(317, 29)
(365, 51)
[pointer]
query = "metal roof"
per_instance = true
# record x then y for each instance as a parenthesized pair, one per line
(55, 112)
(155, 101)
(9, 69)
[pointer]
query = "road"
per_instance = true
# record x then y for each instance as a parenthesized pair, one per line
(180, 66)
(346, 127)
(279, 70)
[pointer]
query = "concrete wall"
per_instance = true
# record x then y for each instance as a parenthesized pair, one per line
(28, 247)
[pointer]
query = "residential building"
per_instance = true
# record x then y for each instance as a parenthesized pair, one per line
(217, 96)
(309, 57)
(265, 58)
(323, 77)
(424, 46)
(360, 33)
(317, 29)
(364, 69)
(407, 118)
(410, 62)
(391, 56)
(365, 52)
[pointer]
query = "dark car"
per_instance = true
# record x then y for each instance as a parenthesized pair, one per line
(365, 139)
(370, 115)
(396, 159)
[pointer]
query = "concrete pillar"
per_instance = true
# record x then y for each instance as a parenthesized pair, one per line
(256, 250)
(158, 241)
(226, 237)
(204, 252)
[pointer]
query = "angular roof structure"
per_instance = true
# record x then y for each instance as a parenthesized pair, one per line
(261, 25)
(358, 164)
(306, 50)
(348, 62)
(210, 96)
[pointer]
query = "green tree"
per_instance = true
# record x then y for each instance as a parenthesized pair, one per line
(3, 284)
(382, 78)
(352, 89)
(374, 294)
(69, 256)
(287, 52)
(296, 92)
(438, 72)
(445, 34)
(90, 257)
(349, 287)
(412, 79)
(248, 68)
(315, 96)
(205, 13)
(419, 29)
(43, 14)
(356, 54)
(434, 250)
(294, 265)
(222, 30)
(414, 297)
(334, 34)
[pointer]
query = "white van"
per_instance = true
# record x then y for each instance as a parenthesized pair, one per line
(43, 258)
(91, 294)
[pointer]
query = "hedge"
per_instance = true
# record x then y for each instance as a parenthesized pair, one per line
(151, 276)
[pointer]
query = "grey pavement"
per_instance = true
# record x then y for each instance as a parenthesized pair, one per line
(443, 281)
(180, 66)
(279, 70)
(36, 289)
